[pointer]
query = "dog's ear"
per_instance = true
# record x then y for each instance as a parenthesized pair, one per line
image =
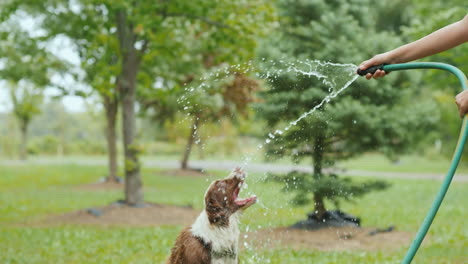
(217, 214)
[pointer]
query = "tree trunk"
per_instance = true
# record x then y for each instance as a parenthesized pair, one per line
(127, 86)
(133, 183)
(24, 140)
(188, 149)
(317, 174)
(319, 206)
(111, 106)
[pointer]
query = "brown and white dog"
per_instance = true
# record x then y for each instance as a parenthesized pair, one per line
(214, 237)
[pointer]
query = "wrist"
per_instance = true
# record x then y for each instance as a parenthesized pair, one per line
(391, 57)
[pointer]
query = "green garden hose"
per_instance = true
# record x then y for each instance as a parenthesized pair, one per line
(457, 154)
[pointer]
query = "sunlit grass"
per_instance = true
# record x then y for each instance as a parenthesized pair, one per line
(31, 192)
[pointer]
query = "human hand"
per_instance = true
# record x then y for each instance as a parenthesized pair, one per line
(462, 102)
(376, 60)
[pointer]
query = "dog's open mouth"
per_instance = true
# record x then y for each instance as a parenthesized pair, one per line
(243, 202)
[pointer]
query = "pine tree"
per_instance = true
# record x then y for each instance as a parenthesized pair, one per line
(368, 116)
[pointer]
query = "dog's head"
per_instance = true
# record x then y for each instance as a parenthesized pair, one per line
(222, 198)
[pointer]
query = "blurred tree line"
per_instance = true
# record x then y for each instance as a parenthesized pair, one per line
(125, 45)
(140, 57)
(50, 133)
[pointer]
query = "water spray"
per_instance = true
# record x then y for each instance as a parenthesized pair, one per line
(458, 149)
(319, 70)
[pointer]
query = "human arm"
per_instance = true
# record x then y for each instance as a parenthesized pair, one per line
(462, 103)
(438, 41)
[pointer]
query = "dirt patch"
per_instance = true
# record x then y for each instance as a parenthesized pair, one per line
(101, 186)
(121, 215)
(185, 173)
(327, 239)
(330, 239)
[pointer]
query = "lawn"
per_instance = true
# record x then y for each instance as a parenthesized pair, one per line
(30, 193)
(413, 163)
(407, 163)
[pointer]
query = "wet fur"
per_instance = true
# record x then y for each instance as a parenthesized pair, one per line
(214, 236)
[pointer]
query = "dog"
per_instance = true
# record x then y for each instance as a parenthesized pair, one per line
(214, 236)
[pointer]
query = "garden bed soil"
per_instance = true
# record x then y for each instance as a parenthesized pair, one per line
(331, 239)
(121, 215)
(326, 239)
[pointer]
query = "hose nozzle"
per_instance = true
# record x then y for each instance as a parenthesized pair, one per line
(371, 70)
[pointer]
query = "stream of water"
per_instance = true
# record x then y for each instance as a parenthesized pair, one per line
(336, 77)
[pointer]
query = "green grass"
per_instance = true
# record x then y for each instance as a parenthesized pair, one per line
(433, 164)
(409, 163)
(29, 193)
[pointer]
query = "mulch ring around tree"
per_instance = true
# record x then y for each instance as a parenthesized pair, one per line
(117, 214)
(331, 239)
(325, 239)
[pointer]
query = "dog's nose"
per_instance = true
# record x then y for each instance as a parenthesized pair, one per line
(237, 173)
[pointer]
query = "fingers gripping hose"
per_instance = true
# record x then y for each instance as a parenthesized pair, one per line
(457, 154)
(371, 70)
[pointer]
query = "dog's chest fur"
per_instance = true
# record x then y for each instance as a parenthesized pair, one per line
(224, 240)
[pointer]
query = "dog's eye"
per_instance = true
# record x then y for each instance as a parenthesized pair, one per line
(213, 205)
(214, 208)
